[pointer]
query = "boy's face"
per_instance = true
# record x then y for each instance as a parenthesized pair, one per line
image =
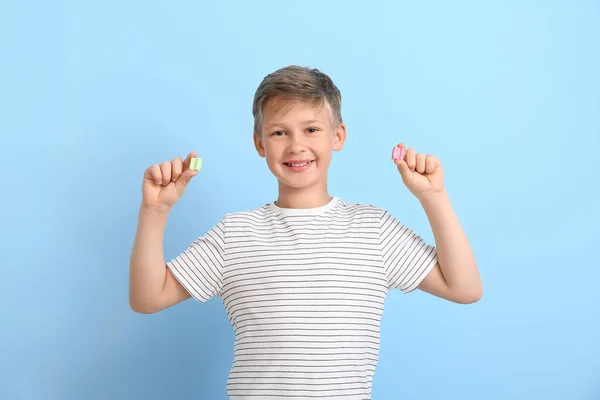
(297, 141)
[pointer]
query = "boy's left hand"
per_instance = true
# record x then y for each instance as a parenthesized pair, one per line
(421, 173)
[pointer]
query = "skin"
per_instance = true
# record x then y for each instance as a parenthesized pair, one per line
(455, 277)
(299, 132)
(152, 287)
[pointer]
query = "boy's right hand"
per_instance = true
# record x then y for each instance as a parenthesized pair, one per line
(164, 184)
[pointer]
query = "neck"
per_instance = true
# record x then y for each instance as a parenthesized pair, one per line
(303, 197)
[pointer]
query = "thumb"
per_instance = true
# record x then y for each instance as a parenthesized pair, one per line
(184, 180)
(405, 172)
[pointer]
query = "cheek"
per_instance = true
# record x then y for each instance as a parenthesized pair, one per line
(271, 155)
(325, 159)
(325, 150)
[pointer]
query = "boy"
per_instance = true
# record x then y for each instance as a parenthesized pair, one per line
(304, 278)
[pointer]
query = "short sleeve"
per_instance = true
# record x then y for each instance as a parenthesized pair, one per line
(199, 268)
(406, 257)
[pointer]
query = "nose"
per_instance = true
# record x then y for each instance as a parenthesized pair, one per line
(296, 143)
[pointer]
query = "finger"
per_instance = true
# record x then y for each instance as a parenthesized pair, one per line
(404, 170)
(153, 173)
(411, 159)
(421, 163)
(184, 180)
(176, 168)
(188, 160)
(431, 163)
(165, 169)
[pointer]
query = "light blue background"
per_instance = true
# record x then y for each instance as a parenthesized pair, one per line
(506, 94)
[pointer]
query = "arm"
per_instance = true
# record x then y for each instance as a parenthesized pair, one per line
(152, 286)
(455, 277)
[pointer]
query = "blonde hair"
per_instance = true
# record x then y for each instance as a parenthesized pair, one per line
(297, 83)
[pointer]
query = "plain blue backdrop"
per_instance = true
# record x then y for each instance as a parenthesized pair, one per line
(505, 93)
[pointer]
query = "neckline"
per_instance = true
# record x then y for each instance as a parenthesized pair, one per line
(305, 211)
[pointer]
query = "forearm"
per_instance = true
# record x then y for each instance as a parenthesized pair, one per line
(455, 256)
(147, 264)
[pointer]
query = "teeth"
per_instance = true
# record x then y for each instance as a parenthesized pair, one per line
(299, 165)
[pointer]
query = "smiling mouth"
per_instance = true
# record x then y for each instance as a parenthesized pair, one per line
(299, 164)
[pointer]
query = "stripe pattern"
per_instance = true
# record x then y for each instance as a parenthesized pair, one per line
(304, 291)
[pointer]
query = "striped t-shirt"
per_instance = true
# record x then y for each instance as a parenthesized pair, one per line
(304, 291)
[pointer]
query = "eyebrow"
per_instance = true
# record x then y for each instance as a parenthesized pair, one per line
(310, 121)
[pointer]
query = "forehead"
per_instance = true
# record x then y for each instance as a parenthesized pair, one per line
(280, 110)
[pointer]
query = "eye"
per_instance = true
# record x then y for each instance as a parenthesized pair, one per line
(277, 133)
(312, 130)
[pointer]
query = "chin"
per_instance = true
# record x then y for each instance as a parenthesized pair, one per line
(298, 182)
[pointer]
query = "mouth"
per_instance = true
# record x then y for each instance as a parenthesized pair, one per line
(299, 165)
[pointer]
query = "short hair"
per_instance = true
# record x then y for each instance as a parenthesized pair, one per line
(297, 84)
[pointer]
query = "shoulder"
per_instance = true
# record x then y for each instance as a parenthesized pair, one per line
(361, 210)
(253, 215)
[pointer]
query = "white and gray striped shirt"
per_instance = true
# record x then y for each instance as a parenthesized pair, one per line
(304, 291)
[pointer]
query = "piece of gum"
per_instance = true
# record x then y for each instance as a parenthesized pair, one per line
(196, 163)
(398, 153)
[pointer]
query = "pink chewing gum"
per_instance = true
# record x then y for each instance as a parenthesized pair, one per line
(398, 153)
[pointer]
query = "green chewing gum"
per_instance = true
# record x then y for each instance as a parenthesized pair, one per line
(196, 163)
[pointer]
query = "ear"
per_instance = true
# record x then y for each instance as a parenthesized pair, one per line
(258, 144)
(339, 138)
